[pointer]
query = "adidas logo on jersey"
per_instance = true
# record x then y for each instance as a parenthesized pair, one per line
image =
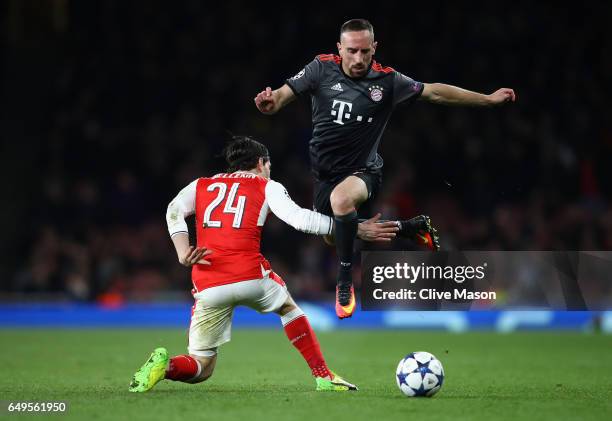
(337, 87)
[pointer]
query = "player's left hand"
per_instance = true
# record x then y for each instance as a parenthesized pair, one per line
(501, 96)
(372, 230)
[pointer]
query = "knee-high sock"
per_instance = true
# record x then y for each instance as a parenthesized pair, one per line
(346, 229)
(183, 368)
(302, 337)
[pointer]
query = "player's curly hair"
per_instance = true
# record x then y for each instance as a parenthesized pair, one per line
(357, 25)
(243, 153)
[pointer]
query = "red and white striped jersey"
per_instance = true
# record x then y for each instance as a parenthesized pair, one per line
(231, 210)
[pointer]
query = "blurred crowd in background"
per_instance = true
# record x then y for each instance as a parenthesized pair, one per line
(109, 108)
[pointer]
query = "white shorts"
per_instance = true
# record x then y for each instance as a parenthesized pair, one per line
(211, 318)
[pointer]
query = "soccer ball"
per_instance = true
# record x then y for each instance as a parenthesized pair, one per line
(419, 374)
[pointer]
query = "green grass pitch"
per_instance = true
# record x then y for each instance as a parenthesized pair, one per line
(260, 376)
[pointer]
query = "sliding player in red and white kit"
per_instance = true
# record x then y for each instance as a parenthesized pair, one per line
(229, 270)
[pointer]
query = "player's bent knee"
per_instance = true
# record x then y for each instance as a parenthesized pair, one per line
(207, 367)
(288, 306)
(196, 380)
(341, 203)
(202, 377)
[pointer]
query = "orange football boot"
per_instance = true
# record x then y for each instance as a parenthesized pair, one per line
(345, 296)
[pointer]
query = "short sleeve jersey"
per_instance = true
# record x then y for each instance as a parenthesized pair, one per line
(349, 115)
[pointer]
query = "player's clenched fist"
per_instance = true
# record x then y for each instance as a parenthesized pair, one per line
(194, 255)
(502, 95)
(265, 102)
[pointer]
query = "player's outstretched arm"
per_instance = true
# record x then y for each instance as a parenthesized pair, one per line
(291, 213)
(440, 93)
(270, 102)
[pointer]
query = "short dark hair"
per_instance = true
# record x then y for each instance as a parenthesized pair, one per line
(243, 153)
(357, 25)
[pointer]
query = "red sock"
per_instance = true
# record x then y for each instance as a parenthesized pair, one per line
(181, 368)
(303, 338)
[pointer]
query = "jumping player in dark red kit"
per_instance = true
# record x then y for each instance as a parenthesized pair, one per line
(353, 98)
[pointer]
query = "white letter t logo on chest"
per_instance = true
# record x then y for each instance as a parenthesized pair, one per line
(340, 112)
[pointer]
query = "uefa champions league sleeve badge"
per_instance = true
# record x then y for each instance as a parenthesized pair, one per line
(299, 74)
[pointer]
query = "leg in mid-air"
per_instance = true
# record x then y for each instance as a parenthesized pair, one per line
(345, 198)
(303, 338)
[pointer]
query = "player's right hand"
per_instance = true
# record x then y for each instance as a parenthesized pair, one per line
(265, 102)
(195, 255)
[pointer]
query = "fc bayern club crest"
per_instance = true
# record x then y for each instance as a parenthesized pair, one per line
(376, 93)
